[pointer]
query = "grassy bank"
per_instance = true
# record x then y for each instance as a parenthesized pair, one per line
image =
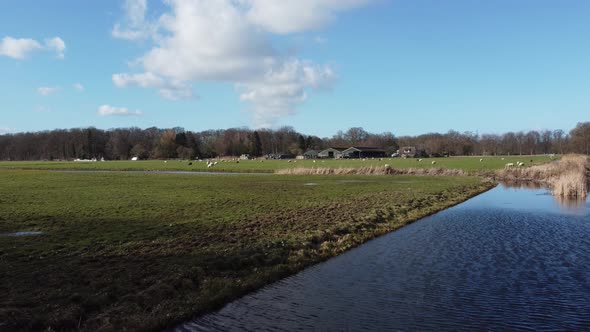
(143, 251)
(567, 177)
(468, 164)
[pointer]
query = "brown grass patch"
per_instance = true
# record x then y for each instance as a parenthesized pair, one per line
(373, 170)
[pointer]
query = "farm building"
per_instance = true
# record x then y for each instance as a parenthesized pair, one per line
(412, 152)
(311, 154)
(363, 152)
(331, 153)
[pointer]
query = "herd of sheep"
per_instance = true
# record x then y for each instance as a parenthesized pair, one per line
(210, 163)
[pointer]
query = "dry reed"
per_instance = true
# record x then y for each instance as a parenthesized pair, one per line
(373, 170)
(567, 177)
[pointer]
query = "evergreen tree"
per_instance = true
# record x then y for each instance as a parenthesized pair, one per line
(256, 150)
(301, 143)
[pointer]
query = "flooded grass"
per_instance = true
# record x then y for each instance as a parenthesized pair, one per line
(132, 251)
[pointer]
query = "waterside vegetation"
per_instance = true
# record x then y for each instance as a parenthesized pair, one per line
(567, 177)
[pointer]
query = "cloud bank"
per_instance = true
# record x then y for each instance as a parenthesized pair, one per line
(230, 41)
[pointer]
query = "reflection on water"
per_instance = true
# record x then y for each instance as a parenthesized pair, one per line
(573, 205)
(521, 185)
(509, 259)
(19, 234)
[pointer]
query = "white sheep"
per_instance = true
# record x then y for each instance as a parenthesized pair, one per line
(509, 165)
(419, 159)
(480, 160)
(434, 162)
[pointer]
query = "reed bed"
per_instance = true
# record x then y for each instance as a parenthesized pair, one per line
(567, 177)
(373, 170)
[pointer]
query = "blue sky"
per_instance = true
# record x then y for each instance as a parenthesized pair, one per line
(408, 67)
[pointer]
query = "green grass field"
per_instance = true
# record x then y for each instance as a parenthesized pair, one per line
(470, 164)
(142, 251)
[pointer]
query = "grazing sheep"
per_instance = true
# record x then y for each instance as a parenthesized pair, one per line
(480, 160)
(386, 165)
(419, 159)
(502, 158)
(314, 161)
(519, 164)
(215, 163)
(509, 165)
(434, 162)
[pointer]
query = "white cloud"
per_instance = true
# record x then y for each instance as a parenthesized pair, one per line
(285, 17)
(134, 26)
(208, 40)
(47, 90)
(169, 89)
(20, 48)
(281, 90)
(78, 87)
(56, 44)
(230, 41)
(107, 110)
(6, 130)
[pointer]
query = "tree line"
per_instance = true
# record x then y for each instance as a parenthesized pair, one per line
(155, 143)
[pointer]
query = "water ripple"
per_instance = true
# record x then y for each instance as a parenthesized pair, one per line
(483, 265)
